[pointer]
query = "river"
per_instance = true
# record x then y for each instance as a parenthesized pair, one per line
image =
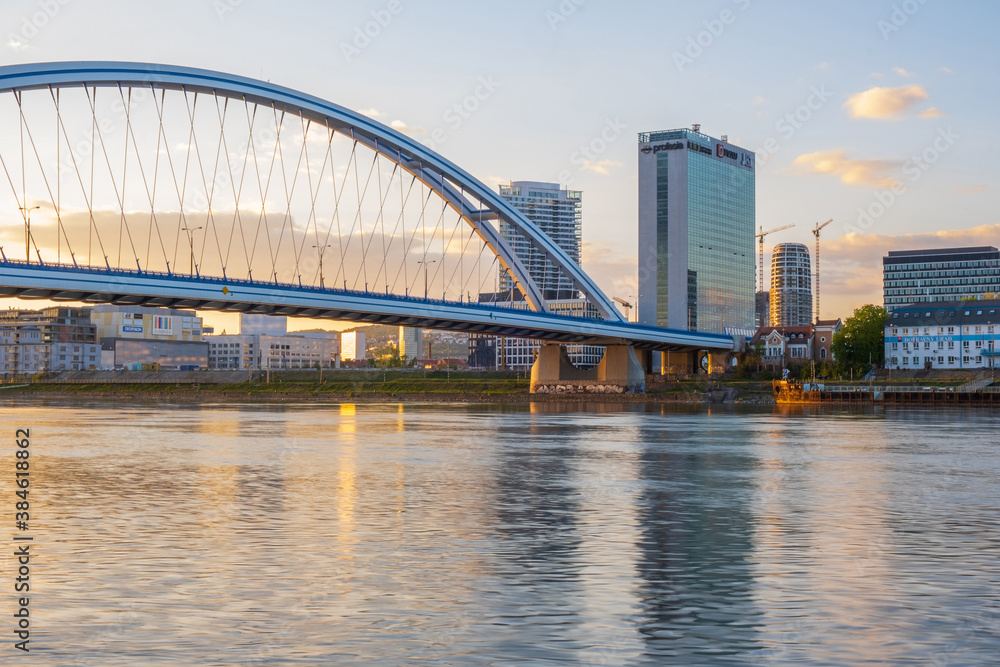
(556, 534)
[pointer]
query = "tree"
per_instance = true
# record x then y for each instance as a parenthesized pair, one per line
(860, 345)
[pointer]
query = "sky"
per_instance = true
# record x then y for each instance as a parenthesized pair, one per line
(879, 114)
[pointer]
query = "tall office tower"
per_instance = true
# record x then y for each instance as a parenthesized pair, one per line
(557, 212)
(791, 286)
(942, 274)
(411, 343)
(271, 325)
(696, 232)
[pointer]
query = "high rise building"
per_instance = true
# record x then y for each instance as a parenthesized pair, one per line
(557, 212)
(941, 274)
(791, 286)
(696, 232)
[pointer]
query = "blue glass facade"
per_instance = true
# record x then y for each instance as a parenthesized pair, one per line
(697, 209)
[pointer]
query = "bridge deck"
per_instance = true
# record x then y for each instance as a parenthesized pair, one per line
(146, 288)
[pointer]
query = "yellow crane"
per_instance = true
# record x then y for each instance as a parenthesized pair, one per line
(760, 240)
(626, 305)
(816, 231)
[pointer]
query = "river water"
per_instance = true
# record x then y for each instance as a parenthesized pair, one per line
(372, 534)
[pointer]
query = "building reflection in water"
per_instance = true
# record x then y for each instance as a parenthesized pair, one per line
(695, 545)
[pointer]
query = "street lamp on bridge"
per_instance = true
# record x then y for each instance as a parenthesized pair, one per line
(191, 232)
(425, 263)
(321, 249)
(27, 231)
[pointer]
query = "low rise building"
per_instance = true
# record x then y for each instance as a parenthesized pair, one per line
(263, 351)
(352, 346)
(948, 335)
(23, 351)
(67, 337)
(145, 354)
(786, 346)
(136, 337)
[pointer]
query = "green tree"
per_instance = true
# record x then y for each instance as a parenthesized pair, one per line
(860, 345)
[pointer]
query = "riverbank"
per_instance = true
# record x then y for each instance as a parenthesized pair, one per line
(377, 387)
(367, 386)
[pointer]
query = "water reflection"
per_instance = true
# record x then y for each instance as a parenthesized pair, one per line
(505, 535)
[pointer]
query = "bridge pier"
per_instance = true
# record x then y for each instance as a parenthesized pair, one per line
(618, 373)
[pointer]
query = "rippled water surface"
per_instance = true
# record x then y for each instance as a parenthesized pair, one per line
(505, 535)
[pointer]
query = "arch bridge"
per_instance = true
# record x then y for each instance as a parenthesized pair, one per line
(145, 184)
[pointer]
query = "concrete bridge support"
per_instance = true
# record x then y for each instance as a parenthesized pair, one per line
(618, 373)
(674, 364)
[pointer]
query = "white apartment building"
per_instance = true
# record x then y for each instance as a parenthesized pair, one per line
(262, 351)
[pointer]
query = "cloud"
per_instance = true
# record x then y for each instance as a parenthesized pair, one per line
(902, 72)
(758, 100)
(932, 112)
(372, 113)
(17, 44)
(971, 189)
(400, 126)
(875, 173)
(602, 167)
(823, 65)
(877, 75)
(885, 103)
(946, 70)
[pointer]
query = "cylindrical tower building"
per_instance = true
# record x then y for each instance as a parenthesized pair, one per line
(791, 286)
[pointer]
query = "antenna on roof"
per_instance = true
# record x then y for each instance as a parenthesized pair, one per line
(696, 127)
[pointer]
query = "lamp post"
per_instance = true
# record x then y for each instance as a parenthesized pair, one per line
(27, 230)
(191, 232)
(321, 249)
(425, 263)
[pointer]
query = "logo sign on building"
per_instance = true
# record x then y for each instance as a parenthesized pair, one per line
(722, 151)
(129, 329)
(162, 326)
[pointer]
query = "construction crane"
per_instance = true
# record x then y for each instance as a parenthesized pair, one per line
(760, 238)
(626, 305)
(815, 232)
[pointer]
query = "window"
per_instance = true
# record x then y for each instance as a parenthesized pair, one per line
(927, 346)
(906, 361)
(895, 346)
(940, 360)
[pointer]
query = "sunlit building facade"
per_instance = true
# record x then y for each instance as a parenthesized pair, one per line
(791, 298)
(696, 232)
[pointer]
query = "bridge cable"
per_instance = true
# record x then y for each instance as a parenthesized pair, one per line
(41, 168)
(150, 195)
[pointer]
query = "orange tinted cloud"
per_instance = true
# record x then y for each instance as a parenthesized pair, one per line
(885, 103)
(875, 173)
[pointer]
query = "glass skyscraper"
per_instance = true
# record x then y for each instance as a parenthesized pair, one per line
(696, 232)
